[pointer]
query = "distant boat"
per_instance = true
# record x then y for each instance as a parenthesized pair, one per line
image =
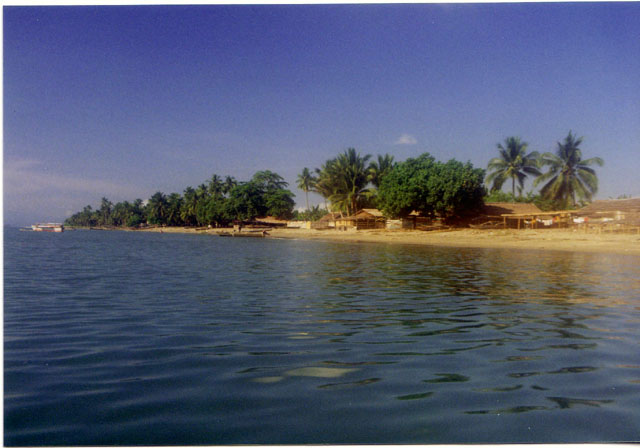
(48, 227)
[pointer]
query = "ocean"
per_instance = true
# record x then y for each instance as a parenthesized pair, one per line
(123, 338)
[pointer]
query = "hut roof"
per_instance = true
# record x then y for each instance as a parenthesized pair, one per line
(368, 213)
(371, 211)
(501, 208)
(332, 216)
(627, 206)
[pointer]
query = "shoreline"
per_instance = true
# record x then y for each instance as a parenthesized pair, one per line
(568, 240)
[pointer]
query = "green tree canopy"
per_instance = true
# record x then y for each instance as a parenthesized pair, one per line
(157, 208)
(279, 203)
(245, 202)
(343, 180)
(451, 190)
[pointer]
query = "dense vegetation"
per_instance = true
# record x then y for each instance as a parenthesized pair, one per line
(217, 203)
(351, 181)
(451, 190)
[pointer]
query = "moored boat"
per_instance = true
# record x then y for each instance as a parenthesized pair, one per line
(48, 227)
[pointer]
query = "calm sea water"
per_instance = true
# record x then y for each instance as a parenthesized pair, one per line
(138, 338)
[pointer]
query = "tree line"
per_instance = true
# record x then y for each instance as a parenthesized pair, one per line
(217, 202)
(351, 181)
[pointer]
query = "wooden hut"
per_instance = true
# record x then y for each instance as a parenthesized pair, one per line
(365, 219)
(328, 221)
(416, 221)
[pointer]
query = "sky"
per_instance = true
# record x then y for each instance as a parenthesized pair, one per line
(124, 101)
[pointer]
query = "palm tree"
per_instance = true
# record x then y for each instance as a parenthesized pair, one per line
(189, 206)
(349, 177)
(229, 183)
(323, 185)
(306, 182)
(174, 205)
(514, 163)
(380, 168)
(216, 185)
(157, 208)
(269, 180)
(106, 206)
(569, 176)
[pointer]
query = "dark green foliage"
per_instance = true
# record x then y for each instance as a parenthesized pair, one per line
(157, 209)
(245, 202)
(514, 163)
(343, 181)
(451, 190)
(279, 203)
(104, 218)
(569, 175)
(217, 203)
(189, 210)
(214, 212)
(174, 206)
(264, 195)
(86, 218)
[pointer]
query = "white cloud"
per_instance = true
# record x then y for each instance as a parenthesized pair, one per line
(406, 139)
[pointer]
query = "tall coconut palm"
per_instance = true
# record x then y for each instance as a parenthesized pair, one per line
(306, 182)
(323, 184)
(216, 186)
(229, 183)
(349, 177)
(380, 168)
(157, 208)
(514, 163)
(569, 175)
(189, 207)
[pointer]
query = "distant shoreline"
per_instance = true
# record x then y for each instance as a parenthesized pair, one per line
(547, 239)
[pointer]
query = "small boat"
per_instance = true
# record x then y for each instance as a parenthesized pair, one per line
(48, 227)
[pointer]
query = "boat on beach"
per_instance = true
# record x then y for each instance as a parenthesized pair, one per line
(48, 227)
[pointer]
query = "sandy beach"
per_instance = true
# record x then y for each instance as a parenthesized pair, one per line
(547, 239)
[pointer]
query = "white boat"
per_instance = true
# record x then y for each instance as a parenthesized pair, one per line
(48, 227)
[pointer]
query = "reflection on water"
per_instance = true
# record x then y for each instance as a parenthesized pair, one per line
(180, 339)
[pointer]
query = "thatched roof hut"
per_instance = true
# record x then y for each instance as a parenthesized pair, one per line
(367, 218)
(328, 221)
(367, 213)
(611, 206)
(331, 216)
(497, 209)
(622, 210)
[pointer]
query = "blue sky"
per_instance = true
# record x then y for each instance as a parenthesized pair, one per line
(123, 101)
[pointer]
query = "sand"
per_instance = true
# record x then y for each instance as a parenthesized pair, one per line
(574, 240)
